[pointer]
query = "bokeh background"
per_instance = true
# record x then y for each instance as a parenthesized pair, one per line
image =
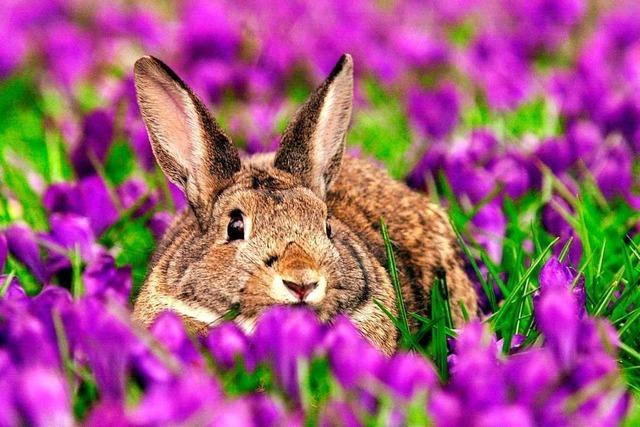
(522, 117)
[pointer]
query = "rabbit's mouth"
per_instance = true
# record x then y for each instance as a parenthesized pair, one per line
(288, 292)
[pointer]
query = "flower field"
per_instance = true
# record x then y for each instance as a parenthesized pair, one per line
(522, 117)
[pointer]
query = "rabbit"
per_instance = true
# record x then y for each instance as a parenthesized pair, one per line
(300, 226)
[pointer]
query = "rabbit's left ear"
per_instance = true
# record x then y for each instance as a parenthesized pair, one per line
(314, 141)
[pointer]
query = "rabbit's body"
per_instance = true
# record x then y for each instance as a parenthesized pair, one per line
(300, 226)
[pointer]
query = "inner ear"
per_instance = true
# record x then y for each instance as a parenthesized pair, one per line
(314, 141)
(189, 146)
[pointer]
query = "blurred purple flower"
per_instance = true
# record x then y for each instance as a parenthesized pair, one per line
(446, 409)
(135, 192)
(429, 165)
(4, 251)
(583, 139)
(419, 48)
(468, 179)
(159, 223)
(556, 306)
(107, 344)
(531, 375)
(406, 374)
(613, 171)
(434, 112)
(68, 50)
(103, 280)
(544, 24)
(23, 245)
(511, 174)
(499, 70)
(169, 330)
(275, 331)
(42, 398)
(97, 135)
(69, 232)
(187, 398)
(491, 225)
(228, 344)
(207, 32)
(554, 274)
(476, 375)
(11, 54)
(359, 375)
(555, 153)
(89, 197)
(265, 411)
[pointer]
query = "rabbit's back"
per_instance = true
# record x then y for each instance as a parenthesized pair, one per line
(424, 242)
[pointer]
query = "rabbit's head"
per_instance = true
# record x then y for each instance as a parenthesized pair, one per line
(259, 232)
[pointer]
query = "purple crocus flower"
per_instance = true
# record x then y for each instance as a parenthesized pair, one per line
(107, 413)
(169, 331)
(531, 374)
(360, 375)
(42, 398)
(428, 165)
(68, 52)
(408, 374)
(190, 397)
(476, 375)
(491, 226)
(557, 275)
(555, 153)
(500, 70)
(207, 32)
(69, 232)
(613, 171)
(446, 409)
(4, 251)
(23, 245)
(159, 223)
(556, 306)
(103, 280)
(107, 344)
(265, 411)
(435, 112)
(272, 339)
(135, 192)
(11, 54)
(512, 174)
(228, 344)
(505, 416)
(90, 197)
(97, 134)
(583, 139)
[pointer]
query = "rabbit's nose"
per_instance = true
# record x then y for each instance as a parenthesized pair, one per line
(300, 290)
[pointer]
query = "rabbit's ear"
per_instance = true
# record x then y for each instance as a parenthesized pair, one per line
(314, 141)
(189, 145)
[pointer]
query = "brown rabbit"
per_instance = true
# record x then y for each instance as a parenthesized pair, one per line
(300, 226)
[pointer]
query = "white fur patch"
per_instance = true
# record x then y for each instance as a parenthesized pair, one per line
(317, 295)
(192, 310)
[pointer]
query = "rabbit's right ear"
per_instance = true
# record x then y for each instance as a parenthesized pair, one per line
(189, 145)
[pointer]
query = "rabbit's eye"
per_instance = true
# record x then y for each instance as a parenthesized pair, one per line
(328, 229)
(235, 229)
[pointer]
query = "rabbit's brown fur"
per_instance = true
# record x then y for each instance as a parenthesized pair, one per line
(286, 200)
